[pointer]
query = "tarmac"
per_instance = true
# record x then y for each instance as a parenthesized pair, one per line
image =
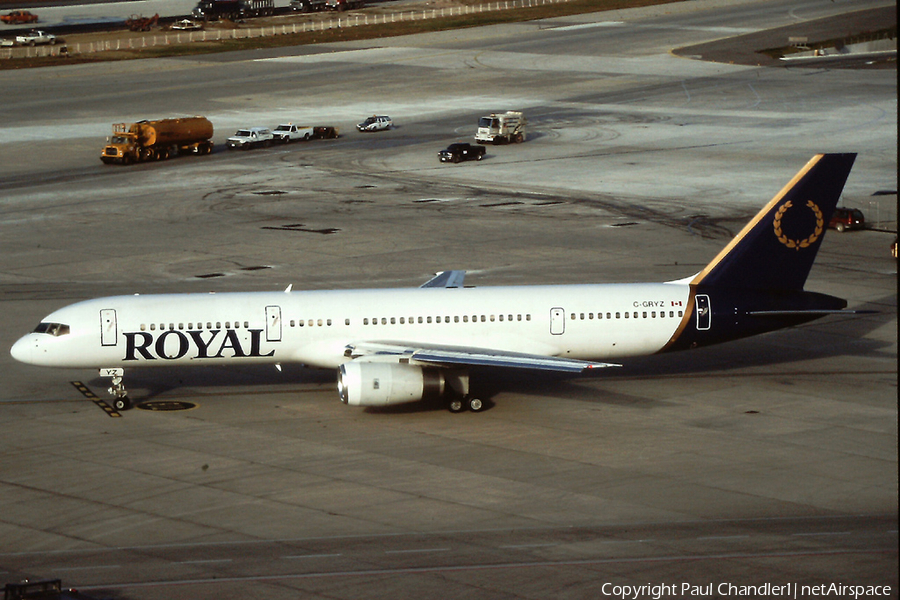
(761, 463)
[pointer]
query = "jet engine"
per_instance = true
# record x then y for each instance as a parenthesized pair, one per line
(384, 384)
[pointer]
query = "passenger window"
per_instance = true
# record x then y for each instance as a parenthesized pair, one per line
(328, 322)
(346, 321)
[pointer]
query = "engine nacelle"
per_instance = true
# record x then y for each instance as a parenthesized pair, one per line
(384, 384)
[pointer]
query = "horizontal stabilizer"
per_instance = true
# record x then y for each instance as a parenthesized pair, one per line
(812, 313)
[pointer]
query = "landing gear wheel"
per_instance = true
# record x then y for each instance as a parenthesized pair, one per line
(456, 405)
(475, 404)
(123, 403)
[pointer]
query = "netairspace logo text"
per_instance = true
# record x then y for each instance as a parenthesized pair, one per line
(767, 590)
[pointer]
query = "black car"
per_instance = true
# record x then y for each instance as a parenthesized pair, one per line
(461, 151)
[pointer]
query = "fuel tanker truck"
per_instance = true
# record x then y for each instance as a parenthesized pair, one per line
(158, 140)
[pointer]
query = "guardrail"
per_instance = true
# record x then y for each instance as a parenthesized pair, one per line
(185, 37)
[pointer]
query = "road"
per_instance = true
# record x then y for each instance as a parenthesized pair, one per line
(771, 460)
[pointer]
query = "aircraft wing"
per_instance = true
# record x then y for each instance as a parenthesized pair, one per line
(453, 355)
(445, 279)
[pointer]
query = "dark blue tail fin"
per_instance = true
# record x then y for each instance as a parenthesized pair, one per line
(775, 251)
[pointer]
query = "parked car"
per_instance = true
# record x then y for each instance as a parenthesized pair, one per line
(375, 123)
(186, 25)
(35, 37)
(894, 248)
(252, 137)
(461, 151)
(19, 17)
(847, 218)
(44, 589)
(307, 5)
(7, 42)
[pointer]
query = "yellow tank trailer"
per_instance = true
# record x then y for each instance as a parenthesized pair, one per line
(158, 140)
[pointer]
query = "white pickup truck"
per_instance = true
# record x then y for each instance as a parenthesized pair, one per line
(291, 133)
(35, 37)
(252, 137)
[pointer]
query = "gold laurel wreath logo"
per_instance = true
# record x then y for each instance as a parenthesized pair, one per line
(804, 243)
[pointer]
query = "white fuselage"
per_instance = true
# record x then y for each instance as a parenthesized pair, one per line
(588, 322)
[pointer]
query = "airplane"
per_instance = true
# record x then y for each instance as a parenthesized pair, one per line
(393, 346)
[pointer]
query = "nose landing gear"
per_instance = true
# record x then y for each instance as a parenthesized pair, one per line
(121, 401)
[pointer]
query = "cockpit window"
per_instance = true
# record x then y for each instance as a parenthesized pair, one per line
(54, 329)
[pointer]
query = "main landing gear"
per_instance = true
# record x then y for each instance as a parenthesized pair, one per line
(121, 401)
(457, 382)
(458, 403)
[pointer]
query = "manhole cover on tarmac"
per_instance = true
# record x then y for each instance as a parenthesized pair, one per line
(166, 405)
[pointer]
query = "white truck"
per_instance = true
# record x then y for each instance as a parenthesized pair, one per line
(501, 128)
(289, 132)
(35, 37)
(252, 137)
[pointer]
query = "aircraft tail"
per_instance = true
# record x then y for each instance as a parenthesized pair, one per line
(776, 250)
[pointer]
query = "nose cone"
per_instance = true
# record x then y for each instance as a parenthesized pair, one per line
(25, 350)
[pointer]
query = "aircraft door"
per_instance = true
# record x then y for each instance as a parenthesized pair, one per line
(557, 321)
(704, 312)
(273, 323)
(108, 328)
